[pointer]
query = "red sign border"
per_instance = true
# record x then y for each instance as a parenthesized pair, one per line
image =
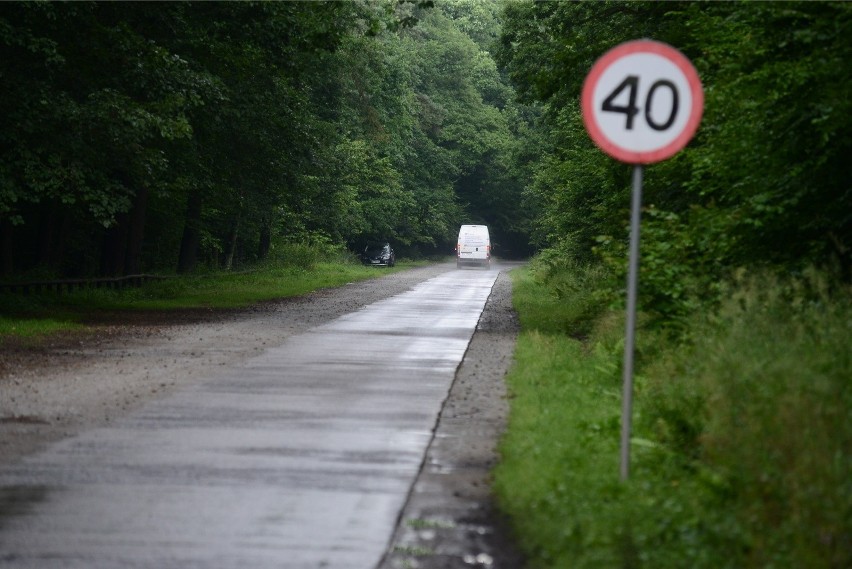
(629, 48)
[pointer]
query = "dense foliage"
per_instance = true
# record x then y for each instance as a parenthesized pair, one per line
(741, 447)
(163, 136)
(155, 136)
(741, 434)
(767, 178)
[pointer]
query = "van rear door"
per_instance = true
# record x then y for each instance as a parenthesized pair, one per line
(474, 245)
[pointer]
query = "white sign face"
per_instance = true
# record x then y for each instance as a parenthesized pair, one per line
(642, 102)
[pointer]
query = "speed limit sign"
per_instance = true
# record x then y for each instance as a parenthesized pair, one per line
(642, 102)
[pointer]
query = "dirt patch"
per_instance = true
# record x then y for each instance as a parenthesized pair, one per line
(76, 381)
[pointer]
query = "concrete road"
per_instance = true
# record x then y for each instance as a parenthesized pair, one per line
(300, 458)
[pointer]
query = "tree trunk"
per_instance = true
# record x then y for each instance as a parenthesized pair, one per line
(232, 245)
(191, 234)
(136, 232)
(6, 250)
(114, 247)
(61, 249)
(46, 234)
(265, 240)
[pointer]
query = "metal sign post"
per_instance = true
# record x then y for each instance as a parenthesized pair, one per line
(642, 102)
(630, 326)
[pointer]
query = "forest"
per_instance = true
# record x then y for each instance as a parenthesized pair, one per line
(198, 137)
(742, 441)
(181, 136)
(765, 182)
(167, 136)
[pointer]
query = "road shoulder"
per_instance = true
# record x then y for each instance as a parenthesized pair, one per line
(69, 383)
(450, 520)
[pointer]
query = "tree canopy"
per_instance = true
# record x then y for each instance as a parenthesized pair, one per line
(157, 136)
(142, 136)
(766, 181)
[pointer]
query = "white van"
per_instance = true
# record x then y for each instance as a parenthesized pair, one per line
(474, 246)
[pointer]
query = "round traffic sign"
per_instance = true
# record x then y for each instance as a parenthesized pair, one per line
(642, 102)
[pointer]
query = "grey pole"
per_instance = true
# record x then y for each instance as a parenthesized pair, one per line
(629, 338)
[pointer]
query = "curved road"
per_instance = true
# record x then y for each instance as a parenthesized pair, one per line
(301, 457)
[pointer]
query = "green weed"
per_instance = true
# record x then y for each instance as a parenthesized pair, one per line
(558, 296)
(413, 550)
(742, 438)
(41, 314)
(30, 327)
(432, 523)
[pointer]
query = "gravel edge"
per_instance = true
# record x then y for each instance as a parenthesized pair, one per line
(450, 519)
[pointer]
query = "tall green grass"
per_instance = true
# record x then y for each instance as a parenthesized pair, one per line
(293, 270)
(34, 327)
(741, 455)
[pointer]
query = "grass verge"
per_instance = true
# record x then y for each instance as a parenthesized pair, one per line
(39, 315)
(742, 448)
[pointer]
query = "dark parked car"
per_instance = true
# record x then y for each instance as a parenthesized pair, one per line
(379, 254)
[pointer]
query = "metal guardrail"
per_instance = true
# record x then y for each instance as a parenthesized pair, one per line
(68, 285)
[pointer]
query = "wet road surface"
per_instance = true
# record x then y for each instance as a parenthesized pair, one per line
(302, 457)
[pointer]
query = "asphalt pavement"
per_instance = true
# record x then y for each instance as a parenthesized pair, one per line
(301, 457)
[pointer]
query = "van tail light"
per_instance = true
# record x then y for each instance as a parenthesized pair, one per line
(488, 250)
(458, 249)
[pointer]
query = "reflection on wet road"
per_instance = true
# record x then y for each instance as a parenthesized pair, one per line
(302, 457)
